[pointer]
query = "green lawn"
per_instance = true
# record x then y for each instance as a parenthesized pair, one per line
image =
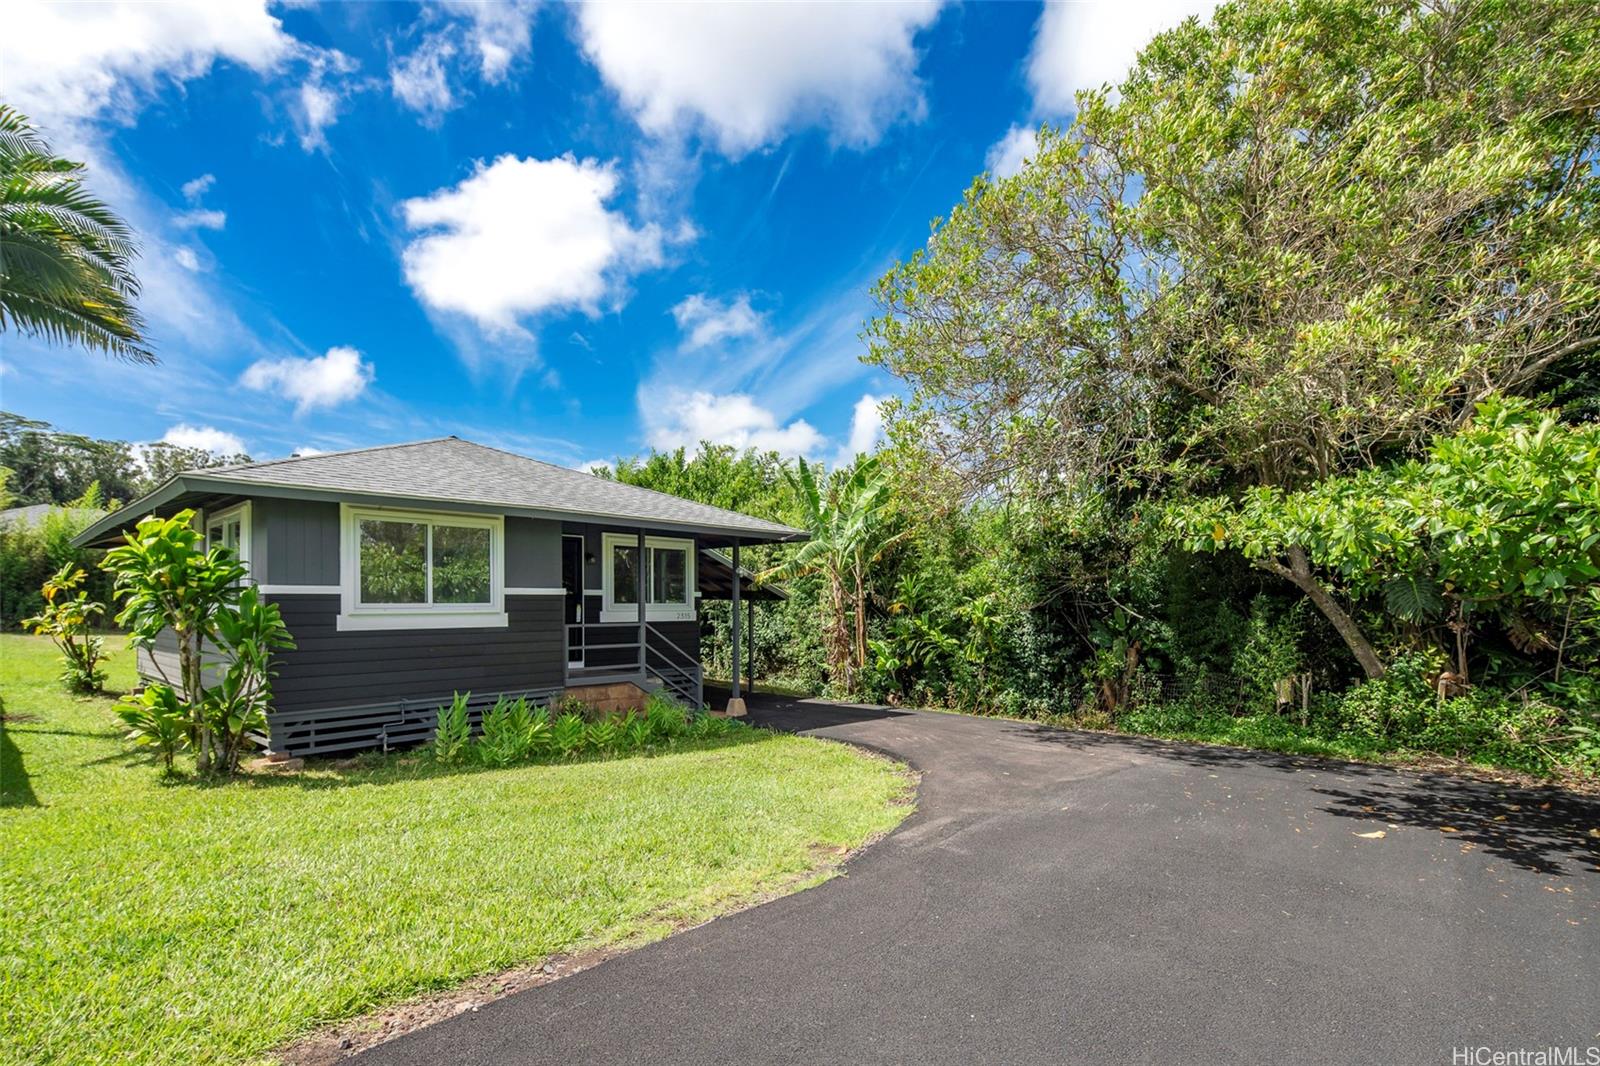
(151, 922)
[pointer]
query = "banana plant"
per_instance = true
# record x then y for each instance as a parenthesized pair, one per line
(847, 520)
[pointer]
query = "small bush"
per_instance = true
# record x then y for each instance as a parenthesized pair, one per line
(156, 718)
(667, 717)
(65, 618)
(452, 736)
(605, 735)
(637, 730)
(504, 736)
(567, 734)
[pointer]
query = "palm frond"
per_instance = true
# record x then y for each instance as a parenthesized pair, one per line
(66, 258)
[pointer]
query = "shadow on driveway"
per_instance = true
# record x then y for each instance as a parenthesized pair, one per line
(1547, 830)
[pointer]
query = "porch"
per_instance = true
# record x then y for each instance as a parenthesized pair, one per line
(651, 654)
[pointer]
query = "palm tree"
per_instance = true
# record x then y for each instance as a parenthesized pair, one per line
(65, 257)
(846, 523)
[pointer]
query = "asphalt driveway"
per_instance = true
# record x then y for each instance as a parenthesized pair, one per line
(1070, 897)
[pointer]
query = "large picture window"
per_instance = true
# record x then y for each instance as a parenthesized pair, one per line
(406, 570)
(667, 578)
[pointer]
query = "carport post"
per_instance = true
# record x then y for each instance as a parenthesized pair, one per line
(736, 701)
(750, 643)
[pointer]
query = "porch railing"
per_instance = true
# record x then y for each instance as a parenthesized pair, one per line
(677, 670)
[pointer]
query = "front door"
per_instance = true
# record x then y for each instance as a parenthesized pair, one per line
(572, 585)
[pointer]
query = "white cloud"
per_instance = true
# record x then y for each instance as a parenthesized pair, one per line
(501, 33)
(198, 187)
(187, 259)
(419, 80)
(521, 236)
(316, 105)
(212, 439)
(1007, 155)
(318, 108)
(707, 321)
(679, 418)
(305, 452)
(1083, 45)
(321, 381)
(746, 73)
(588, 467)
(200, 218)
(866, 429)
(83, 60)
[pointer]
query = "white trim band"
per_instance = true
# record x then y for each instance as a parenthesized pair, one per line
(512, 590)
(298, 590)
(423, 620)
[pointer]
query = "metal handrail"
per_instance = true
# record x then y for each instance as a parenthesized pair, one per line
(692, 686)
(664, 639)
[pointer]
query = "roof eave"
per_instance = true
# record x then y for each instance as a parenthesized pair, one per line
(184, 484)
(150, 501)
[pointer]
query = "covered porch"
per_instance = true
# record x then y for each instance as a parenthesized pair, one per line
(614, 637)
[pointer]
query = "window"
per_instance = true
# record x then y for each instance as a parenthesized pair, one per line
(668, 579)
(230, 529)
(418, 571)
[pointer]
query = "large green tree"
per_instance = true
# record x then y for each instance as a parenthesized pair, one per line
(1299, 239)
(66, 259)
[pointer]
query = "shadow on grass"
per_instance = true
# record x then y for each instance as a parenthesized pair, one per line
(1547, 830)
(16, 787)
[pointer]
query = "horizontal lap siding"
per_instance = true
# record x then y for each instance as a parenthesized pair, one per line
(328, 668)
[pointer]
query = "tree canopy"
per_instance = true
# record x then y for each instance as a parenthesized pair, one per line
(1298, 239)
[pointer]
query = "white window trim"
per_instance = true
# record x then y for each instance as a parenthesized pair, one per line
(245, 549)
(613, 613)
(354, 615)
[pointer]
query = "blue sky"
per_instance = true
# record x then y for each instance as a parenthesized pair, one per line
(574, 232)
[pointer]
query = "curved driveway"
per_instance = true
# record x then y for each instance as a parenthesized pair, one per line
(1072, 897)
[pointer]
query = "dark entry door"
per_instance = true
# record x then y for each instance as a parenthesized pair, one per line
(572, 585)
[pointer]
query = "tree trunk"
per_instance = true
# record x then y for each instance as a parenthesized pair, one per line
(861, 614)
(838, 631)
(1299, 573)
(189, 668)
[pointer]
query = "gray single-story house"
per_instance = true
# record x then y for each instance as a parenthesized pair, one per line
(410, 572)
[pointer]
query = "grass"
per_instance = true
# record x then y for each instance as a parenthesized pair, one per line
(156, 922)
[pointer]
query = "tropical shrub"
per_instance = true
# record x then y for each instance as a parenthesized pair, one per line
(247, 636)
(667, 718)
(157, 718)
(513, 732)
(167, 580)
(567, 734)
(636, 728)
(30, 552)
(605, 735)
(452, 735)
(65, 620)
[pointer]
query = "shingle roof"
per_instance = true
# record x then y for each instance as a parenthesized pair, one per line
(458, 471)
